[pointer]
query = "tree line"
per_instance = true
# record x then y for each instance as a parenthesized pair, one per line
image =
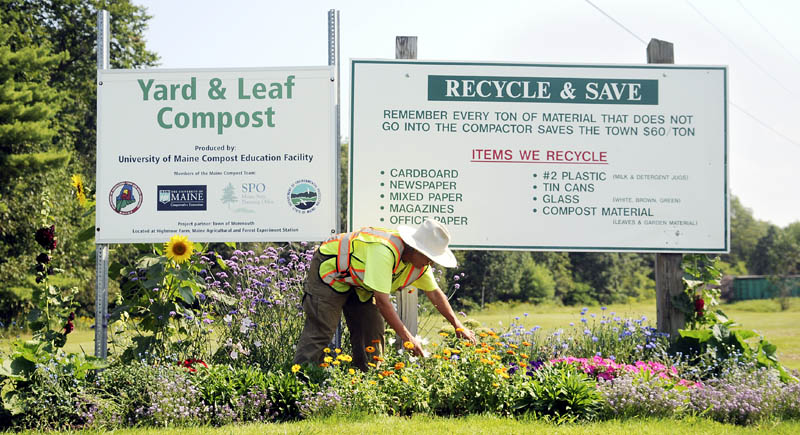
(48, 133)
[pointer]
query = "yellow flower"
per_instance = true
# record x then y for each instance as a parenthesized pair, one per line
(444, 334)
(483, 334)
(446, 352)
(505, 375)
(338, 350)
(495, 384)
(437, 356)
(399, 365)
(351, 371)
(405, 379)
(380, 376)
(455, 351)
(327, 359)
(179, 248)
(408, 345)
(327, 350)
(369, 349)
(373, 382)
(371, 364)
(336, 363)
(513, 346)
(496, 356)
(459, 329)
(80, 190)
(524, 355)
(295, 368)
(377, 358)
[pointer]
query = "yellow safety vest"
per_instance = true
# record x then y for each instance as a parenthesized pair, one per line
(346, 267)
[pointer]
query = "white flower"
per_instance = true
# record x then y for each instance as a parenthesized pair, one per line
(234, 354)
(257, 343)
(228, 318)
(391, 341)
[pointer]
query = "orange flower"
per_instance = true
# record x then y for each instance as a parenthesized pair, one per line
(369, 349)
(483, 334)
(524, 355)
(513, 346)
(525, 343)
(467, 343)
(459, 329)
(408, 345)
(399, 365)
(510, 352)
(324, 365)
(444, 334)
(523, 365)
(376, 341)
(377, 358)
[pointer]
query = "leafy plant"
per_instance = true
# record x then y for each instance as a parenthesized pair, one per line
(559, 391)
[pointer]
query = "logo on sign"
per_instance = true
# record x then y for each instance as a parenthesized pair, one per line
(125, 197)
(182, 198)
(303, 196)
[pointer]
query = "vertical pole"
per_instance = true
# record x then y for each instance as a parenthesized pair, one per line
(668, 266)
(101, 263)
(333, 59)
(407, 299)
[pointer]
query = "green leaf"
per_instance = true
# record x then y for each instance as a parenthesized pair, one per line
(86, 234)
(114, 270)
(186, 294)
(701, 335)
(231, 245)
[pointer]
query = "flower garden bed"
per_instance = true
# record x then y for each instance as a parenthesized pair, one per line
(205, 340)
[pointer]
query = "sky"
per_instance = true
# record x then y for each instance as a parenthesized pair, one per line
(758, 40)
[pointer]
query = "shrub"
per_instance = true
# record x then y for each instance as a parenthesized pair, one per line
(632, 395)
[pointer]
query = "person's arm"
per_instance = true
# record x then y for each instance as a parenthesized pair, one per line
(390, 315)
(439, 300)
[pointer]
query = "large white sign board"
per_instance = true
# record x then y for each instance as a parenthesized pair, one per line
(543, 157)
(218, 155)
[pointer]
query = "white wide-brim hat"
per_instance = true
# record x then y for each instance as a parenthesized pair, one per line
(431, 238)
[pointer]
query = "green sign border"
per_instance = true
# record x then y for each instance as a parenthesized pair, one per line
(558, 248)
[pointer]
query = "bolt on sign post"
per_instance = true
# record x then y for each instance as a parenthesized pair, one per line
(219, 155)
(668, 270)
(407, 299)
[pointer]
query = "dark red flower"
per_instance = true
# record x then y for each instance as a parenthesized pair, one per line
(69, 327)
(699, 304)
(43, 258)
(71, 317)
(46, 237)
(189, 364)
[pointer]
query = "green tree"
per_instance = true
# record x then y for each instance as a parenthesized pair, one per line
(47, 122)
(746, 231)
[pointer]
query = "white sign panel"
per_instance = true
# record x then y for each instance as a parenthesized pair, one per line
(217, 155)
(543, 157)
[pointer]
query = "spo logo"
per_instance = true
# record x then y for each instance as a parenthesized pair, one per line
(125, 197)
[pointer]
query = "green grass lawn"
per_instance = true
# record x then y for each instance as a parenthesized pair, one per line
(474, 425)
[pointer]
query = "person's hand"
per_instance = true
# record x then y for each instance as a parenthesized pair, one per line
(412, 345)
(466, 334)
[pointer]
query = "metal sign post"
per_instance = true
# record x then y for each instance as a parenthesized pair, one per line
(101, 265)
